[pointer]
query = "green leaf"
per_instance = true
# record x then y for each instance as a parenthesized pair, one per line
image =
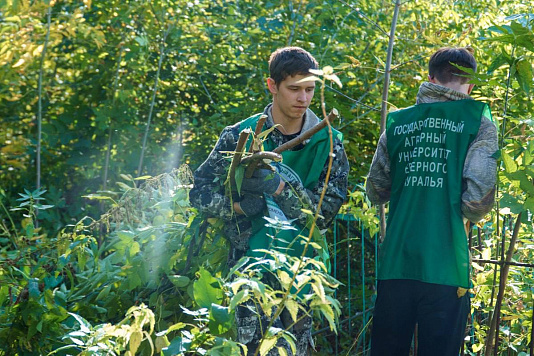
(104, 293)
(142, 177)
(173, 327)
(177, 347)
(207, 290)
(497, 62)
(512, 202)
(30, 230)
(33, 288)
(179, 281)
(509, 163)
(239, 175)
(241, 297)
(221, 319)
(97, 197)
(529, 204)
(42, 206)
(524, 75)
(84, 324)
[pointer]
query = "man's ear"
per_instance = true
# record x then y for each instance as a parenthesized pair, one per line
(470, 89)
(431, 79)
(271, 84)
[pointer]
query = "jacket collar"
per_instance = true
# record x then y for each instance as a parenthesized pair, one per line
(433, 93)
(310, 119)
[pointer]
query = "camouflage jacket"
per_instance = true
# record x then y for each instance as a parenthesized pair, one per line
(208, 193)
(480, 167)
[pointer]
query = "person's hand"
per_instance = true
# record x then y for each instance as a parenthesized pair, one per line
(250, 205)
(263, 180)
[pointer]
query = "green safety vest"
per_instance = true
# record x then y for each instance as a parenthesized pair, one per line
(307, 164)
(425, 236)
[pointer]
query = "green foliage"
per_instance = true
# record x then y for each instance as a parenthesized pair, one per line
(154, 270)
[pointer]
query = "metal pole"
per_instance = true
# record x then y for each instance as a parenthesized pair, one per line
(383, 111)
(348, 277)
(363, 284)
(335, 275)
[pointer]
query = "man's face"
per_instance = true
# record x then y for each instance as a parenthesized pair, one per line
(292, 96)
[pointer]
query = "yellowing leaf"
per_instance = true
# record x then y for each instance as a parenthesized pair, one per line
(319, 290)
(267, 345)
(19, 63)
(334, 78)
(328, 70)
(38, 50)
(161, 342)
(511, 317)
(486, 253)
(310, 78)
(354, 61)
(478, 347)
(477, 266)
(293, 308)
(307, 211)
(284, 278)
(135, 341)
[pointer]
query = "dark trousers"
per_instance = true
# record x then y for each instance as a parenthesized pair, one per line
(440, 315)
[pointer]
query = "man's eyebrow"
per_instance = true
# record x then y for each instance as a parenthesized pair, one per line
(298, 85)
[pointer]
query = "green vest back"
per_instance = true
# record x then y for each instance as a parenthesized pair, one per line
(425, 236)
(307, 163)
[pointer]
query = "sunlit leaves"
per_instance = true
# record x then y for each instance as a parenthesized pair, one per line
(524, 76)
(207, 290)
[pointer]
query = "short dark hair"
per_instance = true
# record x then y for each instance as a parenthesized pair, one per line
(290, 61)
(440, 66)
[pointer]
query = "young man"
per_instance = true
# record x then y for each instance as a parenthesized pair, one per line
(436, 164)
(297, 183)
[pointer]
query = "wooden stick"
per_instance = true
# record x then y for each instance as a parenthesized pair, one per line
(239, 149)
(291, 143)
(308, 134)
(254, 147)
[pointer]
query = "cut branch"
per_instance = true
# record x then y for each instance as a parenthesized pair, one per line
(308, 134)
(254, 147)
(243, 137)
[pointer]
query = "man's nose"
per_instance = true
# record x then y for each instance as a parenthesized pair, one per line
(302, 96)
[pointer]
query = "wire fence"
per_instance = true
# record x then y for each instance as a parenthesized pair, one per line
(354, 264)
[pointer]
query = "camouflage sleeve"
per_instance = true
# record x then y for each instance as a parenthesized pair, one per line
(295, 197)
(378, 186)
(207, 194)
(480, 173)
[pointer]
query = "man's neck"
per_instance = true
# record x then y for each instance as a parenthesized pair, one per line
(455, 85)
(287, 126)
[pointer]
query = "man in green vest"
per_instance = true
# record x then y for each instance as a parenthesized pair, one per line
(294, 185)
(436, 165)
